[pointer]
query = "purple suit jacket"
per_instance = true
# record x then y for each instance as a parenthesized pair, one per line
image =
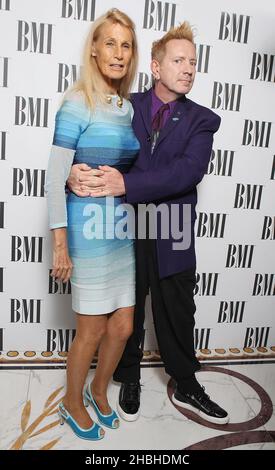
(171, 173)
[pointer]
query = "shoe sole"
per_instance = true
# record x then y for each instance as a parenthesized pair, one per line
(127, 416)
(200, 413)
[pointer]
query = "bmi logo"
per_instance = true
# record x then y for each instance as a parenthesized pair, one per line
(144, 81)
(268, 232)
(28, 182)
(203, 57)
(1, 279)
(234, 28)
(256, 134)
(31, 111)
(264, 284)
(262, 67)
(34, 37)
(26, 310)
(226, 96)
(5, 5)
(4, 64)
(239, 256)
(231, 312)
(158, 15)
(211, 225)
(59, 340)
(248, 196)
(79, 9)
(2, 214)
(26, 249)
(256, 337)
(3, 145)
(67, 75)
(221, 162)
(206, 283)
(1, 339)
(272, 176)
(202, 337)
(56, 286)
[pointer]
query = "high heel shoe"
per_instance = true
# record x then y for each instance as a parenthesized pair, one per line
(111, 420)
(92, 434)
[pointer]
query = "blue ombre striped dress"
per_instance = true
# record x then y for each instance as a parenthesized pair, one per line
(103, 277)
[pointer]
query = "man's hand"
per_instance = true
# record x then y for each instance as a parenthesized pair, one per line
(82, 178)
(85, 181)
(112, 183)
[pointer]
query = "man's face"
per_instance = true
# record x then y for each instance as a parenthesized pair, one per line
(175, 73)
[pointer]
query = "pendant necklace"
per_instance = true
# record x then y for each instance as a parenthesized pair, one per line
(119, 102)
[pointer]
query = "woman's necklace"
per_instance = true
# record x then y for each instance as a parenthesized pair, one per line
(119, 100)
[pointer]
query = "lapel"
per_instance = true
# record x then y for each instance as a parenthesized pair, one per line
(178, 116)
(146, 110)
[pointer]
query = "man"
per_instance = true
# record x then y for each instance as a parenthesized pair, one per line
(176, 137)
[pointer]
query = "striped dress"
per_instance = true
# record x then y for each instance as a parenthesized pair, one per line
(100, 242)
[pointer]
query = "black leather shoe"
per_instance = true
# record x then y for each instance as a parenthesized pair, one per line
(129, 401)
(199, 402)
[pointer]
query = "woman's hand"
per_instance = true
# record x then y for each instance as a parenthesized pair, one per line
(62, 264)
(82, 178)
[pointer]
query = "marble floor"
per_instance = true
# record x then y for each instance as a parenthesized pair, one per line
(29, 421)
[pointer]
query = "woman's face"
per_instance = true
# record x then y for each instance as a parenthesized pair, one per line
(113, 52)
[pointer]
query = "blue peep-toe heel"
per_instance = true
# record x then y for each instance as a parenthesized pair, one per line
(92, 434)
(111, 420)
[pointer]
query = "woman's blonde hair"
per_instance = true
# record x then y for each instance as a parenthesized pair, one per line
(91, 81)
(183, 31)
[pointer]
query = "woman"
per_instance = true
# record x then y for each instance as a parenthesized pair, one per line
(93, 126)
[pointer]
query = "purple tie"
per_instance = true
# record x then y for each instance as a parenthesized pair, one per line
(157, 122)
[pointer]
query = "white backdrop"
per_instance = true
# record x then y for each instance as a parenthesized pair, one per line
(40, 53)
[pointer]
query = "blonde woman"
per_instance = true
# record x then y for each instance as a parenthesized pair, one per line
(93, 127)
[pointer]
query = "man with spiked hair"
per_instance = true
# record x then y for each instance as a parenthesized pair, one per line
(176, 137)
